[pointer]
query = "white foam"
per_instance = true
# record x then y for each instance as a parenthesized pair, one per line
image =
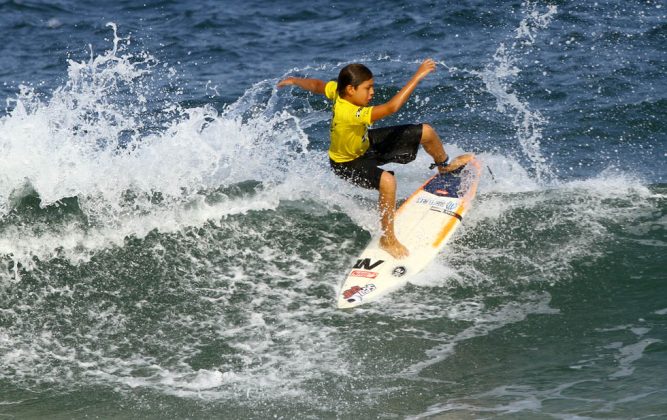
(437, 274)
(514, 399)
(484, 321)
(87, 141)
(78, 243)
(629, 354)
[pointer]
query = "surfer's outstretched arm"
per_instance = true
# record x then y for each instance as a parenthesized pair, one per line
(398, 100)
(312, 85)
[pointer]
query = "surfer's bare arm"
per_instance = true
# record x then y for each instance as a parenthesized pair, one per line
(398, 100)
(312, 85)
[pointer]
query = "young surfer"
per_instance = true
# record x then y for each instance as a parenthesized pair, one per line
(356, 152)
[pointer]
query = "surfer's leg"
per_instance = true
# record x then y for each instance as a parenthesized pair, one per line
(387, 204)
(433, 146)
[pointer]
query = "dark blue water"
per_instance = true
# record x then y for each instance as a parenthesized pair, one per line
(172, 239)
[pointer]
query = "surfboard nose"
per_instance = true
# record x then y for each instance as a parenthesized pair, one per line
(346, 304)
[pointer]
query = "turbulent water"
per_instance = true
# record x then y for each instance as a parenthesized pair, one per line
(172, 238)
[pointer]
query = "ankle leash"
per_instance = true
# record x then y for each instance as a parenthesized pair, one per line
(441, 164)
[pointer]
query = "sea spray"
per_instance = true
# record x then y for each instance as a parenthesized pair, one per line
(129, 160)
(498, 77)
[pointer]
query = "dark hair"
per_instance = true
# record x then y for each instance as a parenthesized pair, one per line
(352, 75)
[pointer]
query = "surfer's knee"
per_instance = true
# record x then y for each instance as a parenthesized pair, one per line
(427, 129)
(387, 181)
(429, 135)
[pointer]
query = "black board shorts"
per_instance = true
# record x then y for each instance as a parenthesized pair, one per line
(396, 144)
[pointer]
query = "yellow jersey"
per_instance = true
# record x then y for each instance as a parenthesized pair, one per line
(349, 127)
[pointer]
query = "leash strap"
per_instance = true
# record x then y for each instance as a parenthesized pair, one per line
(441, 164)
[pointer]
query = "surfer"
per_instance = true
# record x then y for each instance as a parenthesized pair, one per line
(356, 152)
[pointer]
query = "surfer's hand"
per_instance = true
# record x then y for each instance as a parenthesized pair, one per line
(425, 68)
(286, 82)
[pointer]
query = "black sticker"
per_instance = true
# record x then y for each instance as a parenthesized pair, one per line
(367, 264)
(399, 271)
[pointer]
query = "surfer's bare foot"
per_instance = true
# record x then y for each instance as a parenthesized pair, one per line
(393, 247)
(457, 163)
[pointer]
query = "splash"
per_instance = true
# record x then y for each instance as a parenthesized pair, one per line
(528, 123)
(130, 155)
(499, 76)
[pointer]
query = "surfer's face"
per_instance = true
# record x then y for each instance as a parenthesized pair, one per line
(362, 94)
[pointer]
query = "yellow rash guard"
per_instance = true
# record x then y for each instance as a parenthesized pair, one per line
(349, 127)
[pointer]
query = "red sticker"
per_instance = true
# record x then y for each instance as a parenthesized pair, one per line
(351, 291)
(364, 273)
(356, 293)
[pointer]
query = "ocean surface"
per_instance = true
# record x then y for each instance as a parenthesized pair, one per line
(172, 239)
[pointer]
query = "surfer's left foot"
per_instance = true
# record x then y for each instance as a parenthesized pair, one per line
(393, 247)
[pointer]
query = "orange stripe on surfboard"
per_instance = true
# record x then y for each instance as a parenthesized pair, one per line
(447, 228)
(465, 200)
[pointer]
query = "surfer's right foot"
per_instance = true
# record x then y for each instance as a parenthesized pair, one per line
(457, 165)
(393, 247)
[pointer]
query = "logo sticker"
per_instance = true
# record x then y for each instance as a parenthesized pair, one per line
(399, 271)
(356, 293)
(364, 273)
(366, 264)
(438, 205)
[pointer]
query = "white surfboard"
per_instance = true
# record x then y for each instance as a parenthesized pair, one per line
(423, 224)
